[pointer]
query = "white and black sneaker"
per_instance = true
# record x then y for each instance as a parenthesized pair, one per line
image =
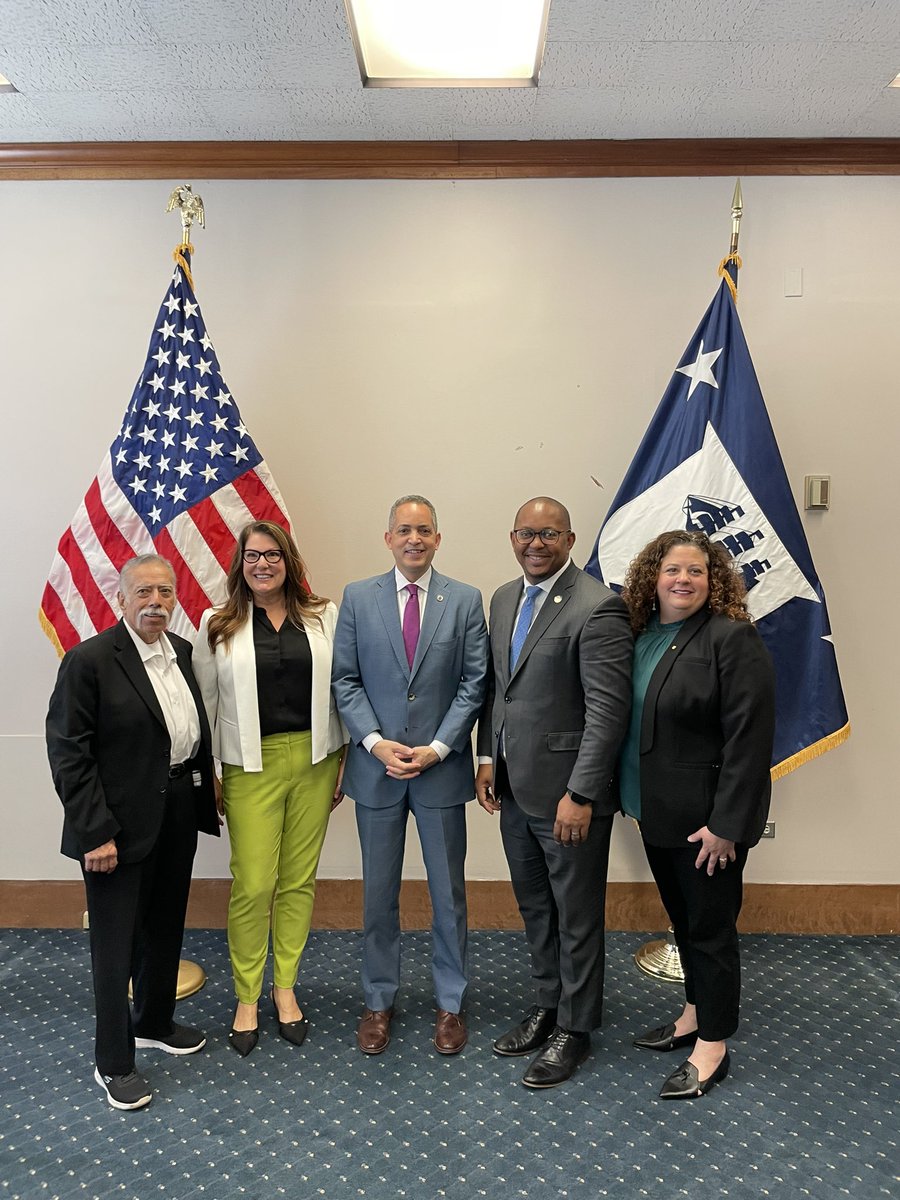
(125, 1091)
(182, 1040)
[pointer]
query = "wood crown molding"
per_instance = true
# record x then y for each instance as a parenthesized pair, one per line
(652, 158)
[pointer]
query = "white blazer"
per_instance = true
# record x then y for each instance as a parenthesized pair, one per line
(227, 682)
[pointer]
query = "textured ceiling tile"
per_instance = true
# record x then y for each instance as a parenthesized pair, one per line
(492, 133)
(267, 21)
(685, 64)
(660, 112)
(588, 64)
(600, 20)
(865, 21)
(42, 21)
(700, 20)
(254, 66)
(881, 118)
(21, 120)
(561, 104)
(104, 68)
(122, 115)
(775, 21)
(781, 113)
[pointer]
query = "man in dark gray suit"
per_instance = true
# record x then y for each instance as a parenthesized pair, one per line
(548, 739)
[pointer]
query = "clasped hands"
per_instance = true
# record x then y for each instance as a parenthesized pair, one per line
(404, 762)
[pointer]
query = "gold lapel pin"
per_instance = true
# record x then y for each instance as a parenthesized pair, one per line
(557, 599)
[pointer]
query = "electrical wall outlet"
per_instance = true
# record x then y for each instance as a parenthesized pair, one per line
(769, 829)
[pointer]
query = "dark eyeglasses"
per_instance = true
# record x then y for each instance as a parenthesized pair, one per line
(253, 556)
(547, 536)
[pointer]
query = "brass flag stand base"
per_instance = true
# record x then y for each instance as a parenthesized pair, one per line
(661, 959)
(191, 978)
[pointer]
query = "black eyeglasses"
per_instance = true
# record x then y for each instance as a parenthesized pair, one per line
(547, 536)
(253, 556)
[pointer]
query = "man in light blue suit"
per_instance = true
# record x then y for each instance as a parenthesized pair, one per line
(409, 677)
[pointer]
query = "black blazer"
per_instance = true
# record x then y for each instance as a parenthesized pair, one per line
(109, 747)
(707, 729)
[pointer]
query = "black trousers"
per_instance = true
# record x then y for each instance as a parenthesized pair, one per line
(561, 894)
(704, 910)
(136, 917)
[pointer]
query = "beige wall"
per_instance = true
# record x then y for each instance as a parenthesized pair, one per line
(481, 342)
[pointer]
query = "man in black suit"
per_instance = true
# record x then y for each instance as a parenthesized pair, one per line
(548, 740)
(129, 748)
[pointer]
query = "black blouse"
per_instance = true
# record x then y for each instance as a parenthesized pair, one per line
(283, 676)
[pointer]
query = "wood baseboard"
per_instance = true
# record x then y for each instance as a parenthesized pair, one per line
(768, 907)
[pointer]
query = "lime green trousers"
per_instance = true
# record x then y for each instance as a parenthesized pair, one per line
(277, 820)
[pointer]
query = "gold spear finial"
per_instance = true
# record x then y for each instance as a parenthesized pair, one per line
(190, 208)
(737, 210)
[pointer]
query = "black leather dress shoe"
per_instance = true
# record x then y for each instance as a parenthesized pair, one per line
(529, 1035)
(243, 1040)
(559, 1059)
(685, 1083)
(664, 1037)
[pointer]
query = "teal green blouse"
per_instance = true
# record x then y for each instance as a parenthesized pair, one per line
(649, 648)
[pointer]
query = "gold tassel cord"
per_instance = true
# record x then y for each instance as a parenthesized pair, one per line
(178, 254)
(738, 262)
(50, 632)
(810, 752)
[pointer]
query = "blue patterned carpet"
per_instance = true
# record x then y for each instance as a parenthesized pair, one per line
(811, 1109)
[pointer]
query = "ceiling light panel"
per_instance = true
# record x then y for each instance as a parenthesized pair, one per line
(448, 43)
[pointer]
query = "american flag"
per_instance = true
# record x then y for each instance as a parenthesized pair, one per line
(182, 477)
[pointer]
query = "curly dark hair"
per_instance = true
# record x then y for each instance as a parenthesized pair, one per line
(226, 621)
(727, 593)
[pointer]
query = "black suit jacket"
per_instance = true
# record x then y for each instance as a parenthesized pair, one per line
(109, 747)
(564, 710)
(707, 728)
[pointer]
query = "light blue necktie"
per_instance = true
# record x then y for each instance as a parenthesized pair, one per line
(523, 625)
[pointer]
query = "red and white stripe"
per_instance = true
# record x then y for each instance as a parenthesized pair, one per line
(80, 595)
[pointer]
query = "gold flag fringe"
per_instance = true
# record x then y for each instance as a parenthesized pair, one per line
(178, 255)
(738, 262)
(809, 752)
(50, 632)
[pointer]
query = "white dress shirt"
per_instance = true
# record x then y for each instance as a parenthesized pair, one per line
(173, 694)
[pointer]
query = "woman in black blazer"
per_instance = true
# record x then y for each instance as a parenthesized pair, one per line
(694, 772)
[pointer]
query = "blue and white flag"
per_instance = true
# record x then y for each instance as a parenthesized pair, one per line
(709, 461)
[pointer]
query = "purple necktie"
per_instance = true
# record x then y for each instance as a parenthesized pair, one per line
(411, 622)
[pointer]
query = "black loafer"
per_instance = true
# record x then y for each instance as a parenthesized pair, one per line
(243, 1040)
(664, 1038)
(529, 1035)
(559, 1059)
(685, 1083)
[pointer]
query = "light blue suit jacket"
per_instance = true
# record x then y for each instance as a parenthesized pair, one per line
(438, 699)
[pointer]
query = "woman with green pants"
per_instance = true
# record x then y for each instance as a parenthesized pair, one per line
(263, 662)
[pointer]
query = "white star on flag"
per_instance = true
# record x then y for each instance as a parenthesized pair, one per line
(701, 370)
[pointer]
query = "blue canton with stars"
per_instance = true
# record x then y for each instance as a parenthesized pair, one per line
(182, 438)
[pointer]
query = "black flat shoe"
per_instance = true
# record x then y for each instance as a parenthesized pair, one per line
(243, 1040)
(664, 1038)
(560, 1058)
(529, 1035)
(292, 1031)
(685, 1083)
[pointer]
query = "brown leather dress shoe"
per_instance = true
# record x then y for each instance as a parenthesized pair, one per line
(374, 1030)
(450, 1033)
